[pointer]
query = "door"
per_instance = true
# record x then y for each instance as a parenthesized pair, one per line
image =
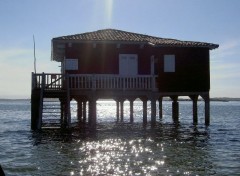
(128, 64)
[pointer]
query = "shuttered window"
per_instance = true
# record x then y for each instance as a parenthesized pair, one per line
(128, 64)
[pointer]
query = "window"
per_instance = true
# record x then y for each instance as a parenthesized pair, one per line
(71, 64)
(169, 63)
(128, 64)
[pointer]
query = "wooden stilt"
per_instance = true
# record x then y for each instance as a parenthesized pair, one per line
(84, 111)
(195, 113)
(175, 111)
(117, 109)
(131, 110)
(89, 114)
(92, 113)
(194, 99)
(144, 111)
(68, 104)
(62, 112)
(160, 108)
(207, 110)
(39, 124)
(175, 108)
(153, 111)
(35, 100)
(121, 110)
(65, 111)
(79, 110)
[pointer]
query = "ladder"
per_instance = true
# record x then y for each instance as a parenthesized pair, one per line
(51, 113)
(50, 109)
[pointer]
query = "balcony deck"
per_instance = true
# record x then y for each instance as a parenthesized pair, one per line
(85, 84)
(91, 87)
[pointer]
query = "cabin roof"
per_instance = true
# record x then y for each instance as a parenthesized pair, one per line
(119, 36)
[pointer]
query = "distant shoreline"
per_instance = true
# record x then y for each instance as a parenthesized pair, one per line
(220, 99)
(225, 99)
(14, 99)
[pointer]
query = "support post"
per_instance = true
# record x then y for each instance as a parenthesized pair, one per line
(64, 113)
(35, 100)
(79, 110)
(92, 113)
(206, 98)
(160, 108)
(175, 108)
(131, 110)
(84, 111)
(207, 112)
(207, 109)
(153, 111)
(121, 110)
(68, 105)
(66, 124)
(144, 100)
(117, 109)
(39, 120)
(194, 99)
(33, 81)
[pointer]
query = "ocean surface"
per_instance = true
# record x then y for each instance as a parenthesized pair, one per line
(123, 148)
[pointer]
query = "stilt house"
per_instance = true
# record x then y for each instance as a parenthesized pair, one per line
(120, 65)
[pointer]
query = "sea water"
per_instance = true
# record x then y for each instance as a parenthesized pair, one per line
(123, 148)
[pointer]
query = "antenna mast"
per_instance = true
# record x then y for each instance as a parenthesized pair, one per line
(34, 55)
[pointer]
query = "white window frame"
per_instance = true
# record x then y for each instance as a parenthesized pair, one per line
(127, 70)
(169, 63)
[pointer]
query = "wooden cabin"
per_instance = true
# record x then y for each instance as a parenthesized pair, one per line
(120, 65)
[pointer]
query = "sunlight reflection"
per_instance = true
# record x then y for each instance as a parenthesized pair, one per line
(159, 162)
(118, 157)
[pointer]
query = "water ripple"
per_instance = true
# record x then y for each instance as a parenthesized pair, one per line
(123, 148)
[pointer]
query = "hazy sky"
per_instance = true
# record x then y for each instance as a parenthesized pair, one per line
(214, 21)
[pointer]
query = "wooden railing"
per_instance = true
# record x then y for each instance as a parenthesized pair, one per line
(94, 82)
(116, 82)
(47, 80)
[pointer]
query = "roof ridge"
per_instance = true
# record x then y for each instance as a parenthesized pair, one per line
(116, 35)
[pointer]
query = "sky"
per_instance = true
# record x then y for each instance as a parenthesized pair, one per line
(213, 21)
